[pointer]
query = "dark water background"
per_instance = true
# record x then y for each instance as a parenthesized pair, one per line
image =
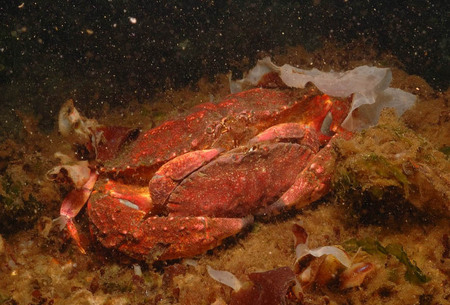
(52, 50)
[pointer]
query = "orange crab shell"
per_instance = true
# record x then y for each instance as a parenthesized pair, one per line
(187, 212)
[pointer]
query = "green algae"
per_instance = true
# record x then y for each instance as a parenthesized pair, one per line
(388, 166)
(413, 273)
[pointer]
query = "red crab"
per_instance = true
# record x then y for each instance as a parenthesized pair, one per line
(179, 189)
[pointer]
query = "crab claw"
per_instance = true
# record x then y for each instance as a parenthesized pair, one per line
(293, 132)
(157, 238)
(170, 174)
(135, 196)
(312, 183)
(72, 205)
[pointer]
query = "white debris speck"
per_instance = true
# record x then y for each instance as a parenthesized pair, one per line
(128, 204)
(190, 262)
(225, 277)
(137, 270)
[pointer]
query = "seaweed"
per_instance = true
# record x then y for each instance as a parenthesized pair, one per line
(18, 208)
(370, 173)
(4, 299)
(388, 164)
(445, 150)
(386, 169)
(413, 273)
(269, 287)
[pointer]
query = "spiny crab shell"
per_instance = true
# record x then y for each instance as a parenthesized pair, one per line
(181, 188)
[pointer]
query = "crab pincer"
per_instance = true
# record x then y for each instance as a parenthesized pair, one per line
(158, 237)
(172, 173)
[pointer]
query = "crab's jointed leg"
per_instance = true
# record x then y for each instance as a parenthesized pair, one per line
(71, 206)
(313, 182)
(158, 237)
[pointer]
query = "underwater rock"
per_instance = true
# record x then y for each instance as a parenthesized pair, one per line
(390, 163)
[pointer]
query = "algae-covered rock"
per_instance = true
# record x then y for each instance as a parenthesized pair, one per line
(24, 194)
(390, 163)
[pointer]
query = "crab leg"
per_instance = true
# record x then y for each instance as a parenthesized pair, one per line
(72, 205)
(174, 237)
(157, 237)
(313, 182)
